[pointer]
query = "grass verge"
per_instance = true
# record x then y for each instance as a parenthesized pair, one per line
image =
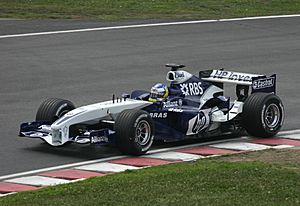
(147, 9)
(217, 181)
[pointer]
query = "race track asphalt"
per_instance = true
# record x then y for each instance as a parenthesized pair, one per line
(88, 67)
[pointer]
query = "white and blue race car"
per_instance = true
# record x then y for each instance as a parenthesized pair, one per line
(191, 106)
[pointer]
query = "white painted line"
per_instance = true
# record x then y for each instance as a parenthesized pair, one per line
(211, 156)
(11, 193)
(106, 28)
(260, 17)
(283, 146)
(284, 133)
(174, 156)
(241, 146)
(147, 25)
(107, 167)
(38, 181)
(292, 136)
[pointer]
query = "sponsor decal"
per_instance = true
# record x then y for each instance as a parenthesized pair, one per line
(180, 102)
(171, 104)
(179, 75)
(262, 116)
(175, 110)
(193, 88)
(60, 108)
(139, 118)
(98, 139)
(161, 115)
(235, 76)
(199, 123)
(35, 134)
(65, 129)
(263, 83)
(75, 112)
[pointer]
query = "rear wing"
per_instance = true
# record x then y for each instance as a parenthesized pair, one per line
(258, 82)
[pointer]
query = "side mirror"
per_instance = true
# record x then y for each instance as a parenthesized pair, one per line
(125, 96)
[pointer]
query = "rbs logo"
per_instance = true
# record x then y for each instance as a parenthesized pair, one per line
(193, 88)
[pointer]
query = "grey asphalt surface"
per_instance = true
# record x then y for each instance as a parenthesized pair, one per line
(88, 67)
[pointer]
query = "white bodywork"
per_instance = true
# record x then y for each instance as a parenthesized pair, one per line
(90, 114)
(218, 116)
(178, 76)
(223, 76)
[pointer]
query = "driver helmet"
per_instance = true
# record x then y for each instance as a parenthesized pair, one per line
(159, 92)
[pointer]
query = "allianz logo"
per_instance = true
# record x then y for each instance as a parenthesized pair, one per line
(98, 139)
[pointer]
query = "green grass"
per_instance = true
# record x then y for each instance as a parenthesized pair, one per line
(205, 182)
(147, 9)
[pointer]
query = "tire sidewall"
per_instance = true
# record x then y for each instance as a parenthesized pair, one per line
(143, 148)
(268, 101)
(52, 109)
(62, 109)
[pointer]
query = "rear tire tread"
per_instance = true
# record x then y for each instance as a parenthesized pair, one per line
(252, 114)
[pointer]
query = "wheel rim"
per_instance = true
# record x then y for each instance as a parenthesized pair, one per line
(272, 115)
(143, 132)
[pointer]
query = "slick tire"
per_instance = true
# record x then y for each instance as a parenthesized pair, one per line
(134, 131)
(263, 114)
(52, 109)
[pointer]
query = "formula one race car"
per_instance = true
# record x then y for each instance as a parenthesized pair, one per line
(191, 106)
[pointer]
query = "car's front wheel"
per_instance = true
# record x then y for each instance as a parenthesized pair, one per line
(134, 130)
(52, 109)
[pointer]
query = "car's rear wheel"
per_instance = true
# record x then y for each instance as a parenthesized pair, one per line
(134, 130)
(52, 109)
(263, 114)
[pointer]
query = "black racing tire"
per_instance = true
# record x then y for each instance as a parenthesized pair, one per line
(134, 131)
(52, 109)
(263, 114)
